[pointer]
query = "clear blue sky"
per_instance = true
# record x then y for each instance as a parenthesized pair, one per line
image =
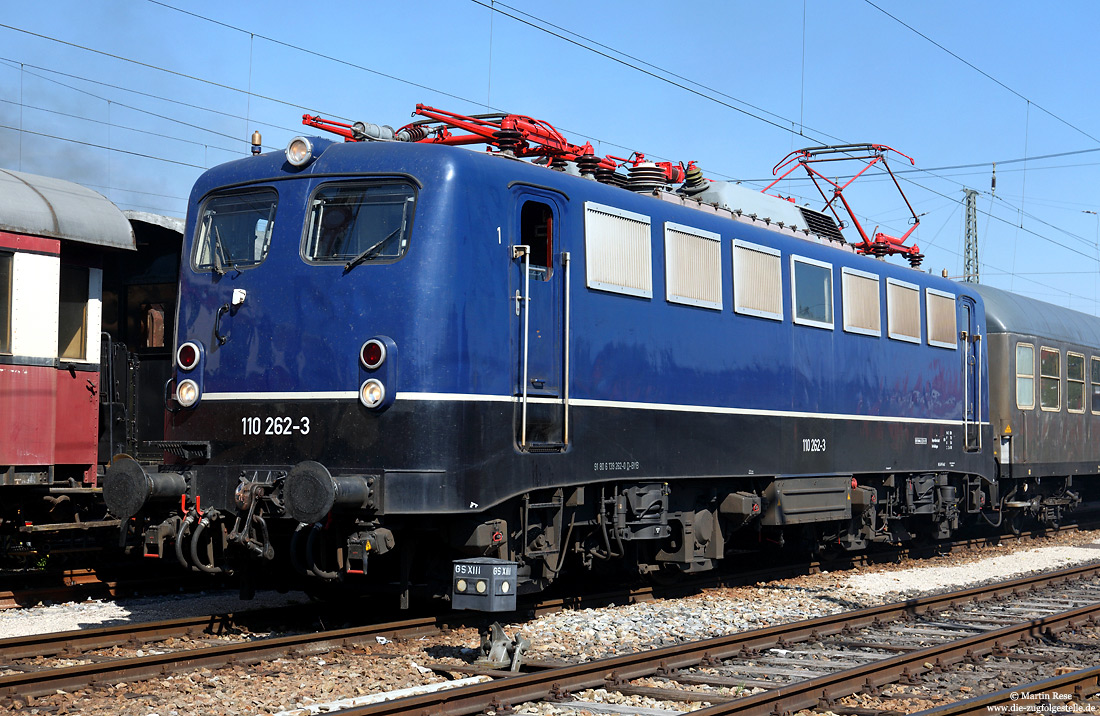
(103, 111)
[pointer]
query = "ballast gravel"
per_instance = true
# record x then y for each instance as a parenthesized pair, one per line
(909, 582)
(92, 614)
(599, 633)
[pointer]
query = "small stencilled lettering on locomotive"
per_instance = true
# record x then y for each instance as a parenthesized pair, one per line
(607, 466)
(948, 440)
(281, 425)
(920, 441)
(935, 443)
(813, 444)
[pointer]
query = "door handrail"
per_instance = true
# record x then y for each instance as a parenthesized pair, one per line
(525, 250)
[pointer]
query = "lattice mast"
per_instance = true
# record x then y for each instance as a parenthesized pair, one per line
(970, 252)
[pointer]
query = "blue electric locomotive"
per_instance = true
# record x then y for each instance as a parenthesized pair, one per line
(392, 356)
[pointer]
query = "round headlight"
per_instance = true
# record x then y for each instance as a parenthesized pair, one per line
(187, 393)
(481, 586)
(461, 585)
(299, 151)
(505, 587)
(372, 354)
(372, 393)
(187, 357)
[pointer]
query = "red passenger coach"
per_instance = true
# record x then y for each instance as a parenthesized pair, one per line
(55, 238)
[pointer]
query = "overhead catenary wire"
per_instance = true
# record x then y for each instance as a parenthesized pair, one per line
(432, 89)
(982, 72)
(158, 68)
(167, 118)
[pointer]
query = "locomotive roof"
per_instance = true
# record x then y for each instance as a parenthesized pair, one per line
(59, 209)
(1011, 313)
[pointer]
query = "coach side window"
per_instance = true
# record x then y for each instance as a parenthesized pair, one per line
(813, 292)
(72, 313)
(1075, 382)
(1050, 374)
(1095, 384)
(1025, 376)
(5, 303)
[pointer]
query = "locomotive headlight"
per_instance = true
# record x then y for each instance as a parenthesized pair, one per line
(187, 357)
(299, 152)
(372, 354)
(461, 585)
(481, 586)
(505, 587)
(187, 393)
(372, 393)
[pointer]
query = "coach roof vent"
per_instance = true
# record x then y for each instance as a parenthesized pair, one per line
(59, 209)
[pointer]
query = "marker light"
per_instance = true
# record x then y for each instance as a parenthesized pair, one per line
(372, 393)
(299, 152)
(372, 354)
(187, 357)
(505, 587)
(461, 585)
(187, 393)
(481, 586)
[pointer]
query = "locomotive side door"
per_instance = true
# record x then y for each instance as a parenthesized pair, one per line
(972, 375)
(539, 275)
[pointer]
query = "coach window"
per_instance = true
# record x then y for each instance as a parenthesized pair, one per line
(1025, 376)
(1095, 369)
(235, 230)
(812, 285)
(757, 281)
(536, 229)
(72, 313)
(1050, 375)
(5, 302)
(351, 223)
(1075, 382)
(902, 310)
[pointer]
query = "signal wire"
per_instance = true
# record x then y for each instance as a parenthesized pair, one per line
(982, 72)
(644, 71)
(103, 146)
(147, 65)
(137, 92)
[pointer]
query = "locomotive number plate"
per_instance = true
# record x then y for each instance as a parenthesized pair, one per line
(813, 444)
(281, 425)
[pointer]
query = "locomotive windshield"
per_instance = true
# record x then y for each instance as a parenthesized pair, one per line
(235, 230)
(355, 222)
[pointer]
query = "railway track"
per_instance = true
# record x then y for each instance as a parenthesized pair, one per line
(804, 665)
(780, 668)
(27, 588)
